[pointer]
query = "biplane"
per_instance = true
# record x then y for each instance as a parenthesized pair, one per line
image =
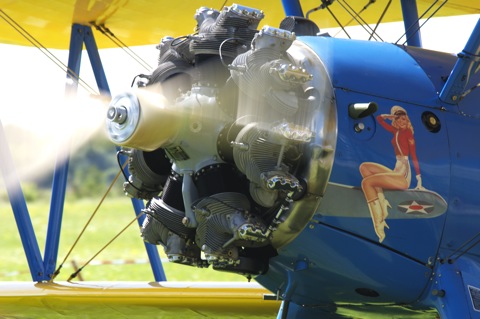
(339, 174)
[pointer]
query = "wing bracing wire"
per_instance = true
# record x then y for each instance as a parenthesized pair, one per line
(421, 17)
(356, 16)
(30, 38)
(110, 35)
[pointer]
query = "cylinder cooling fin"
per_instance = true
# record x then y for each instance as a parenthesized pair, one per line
(148, 173)
(231, 141)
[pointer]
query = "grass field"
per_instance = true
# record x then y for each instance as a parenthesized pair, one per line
(111, 218)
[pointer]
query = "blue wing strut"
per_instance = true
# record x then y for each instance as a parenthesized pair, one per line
(42, 269)
(467, 64)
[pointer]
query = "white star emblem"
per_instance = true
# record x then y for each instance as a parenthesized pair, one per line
(415, 207)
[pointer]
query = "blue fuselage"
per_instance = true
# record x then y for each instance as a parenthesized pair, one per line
(338, 257)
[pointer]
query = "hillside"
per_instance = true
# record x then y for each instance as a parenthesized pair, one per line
(92, 161)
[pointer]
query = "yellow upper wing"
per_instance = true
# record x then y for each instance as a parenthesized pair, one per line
(140, 22)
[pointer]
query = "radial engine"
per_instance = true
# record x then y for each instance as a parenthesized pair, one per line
(230, 141)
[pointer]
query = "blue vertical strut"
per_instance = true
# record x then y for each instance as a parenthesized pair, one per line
(410, 21)
(137, 204)
(292, 8)
(61, 166)
(153, 256)
(43, 270)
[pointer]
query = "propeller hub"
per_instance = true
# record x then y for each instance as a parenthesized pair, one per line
(117, 114)
(142, 119)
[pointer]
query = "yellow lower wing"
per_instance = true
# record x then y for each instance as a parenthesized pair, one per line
(119, 300)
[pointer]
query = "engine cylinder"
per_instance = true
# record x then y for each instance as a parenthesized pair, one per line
(250, 137)
(149, 171)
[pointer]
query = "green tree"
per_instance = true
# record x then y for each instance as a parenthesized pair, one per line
(93, 167)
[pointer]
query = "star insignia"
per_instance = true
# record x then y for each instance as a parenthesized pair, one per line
(416, 207)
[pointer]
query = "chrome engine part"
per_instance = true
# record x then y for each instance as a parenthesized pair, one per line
(231, 141)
